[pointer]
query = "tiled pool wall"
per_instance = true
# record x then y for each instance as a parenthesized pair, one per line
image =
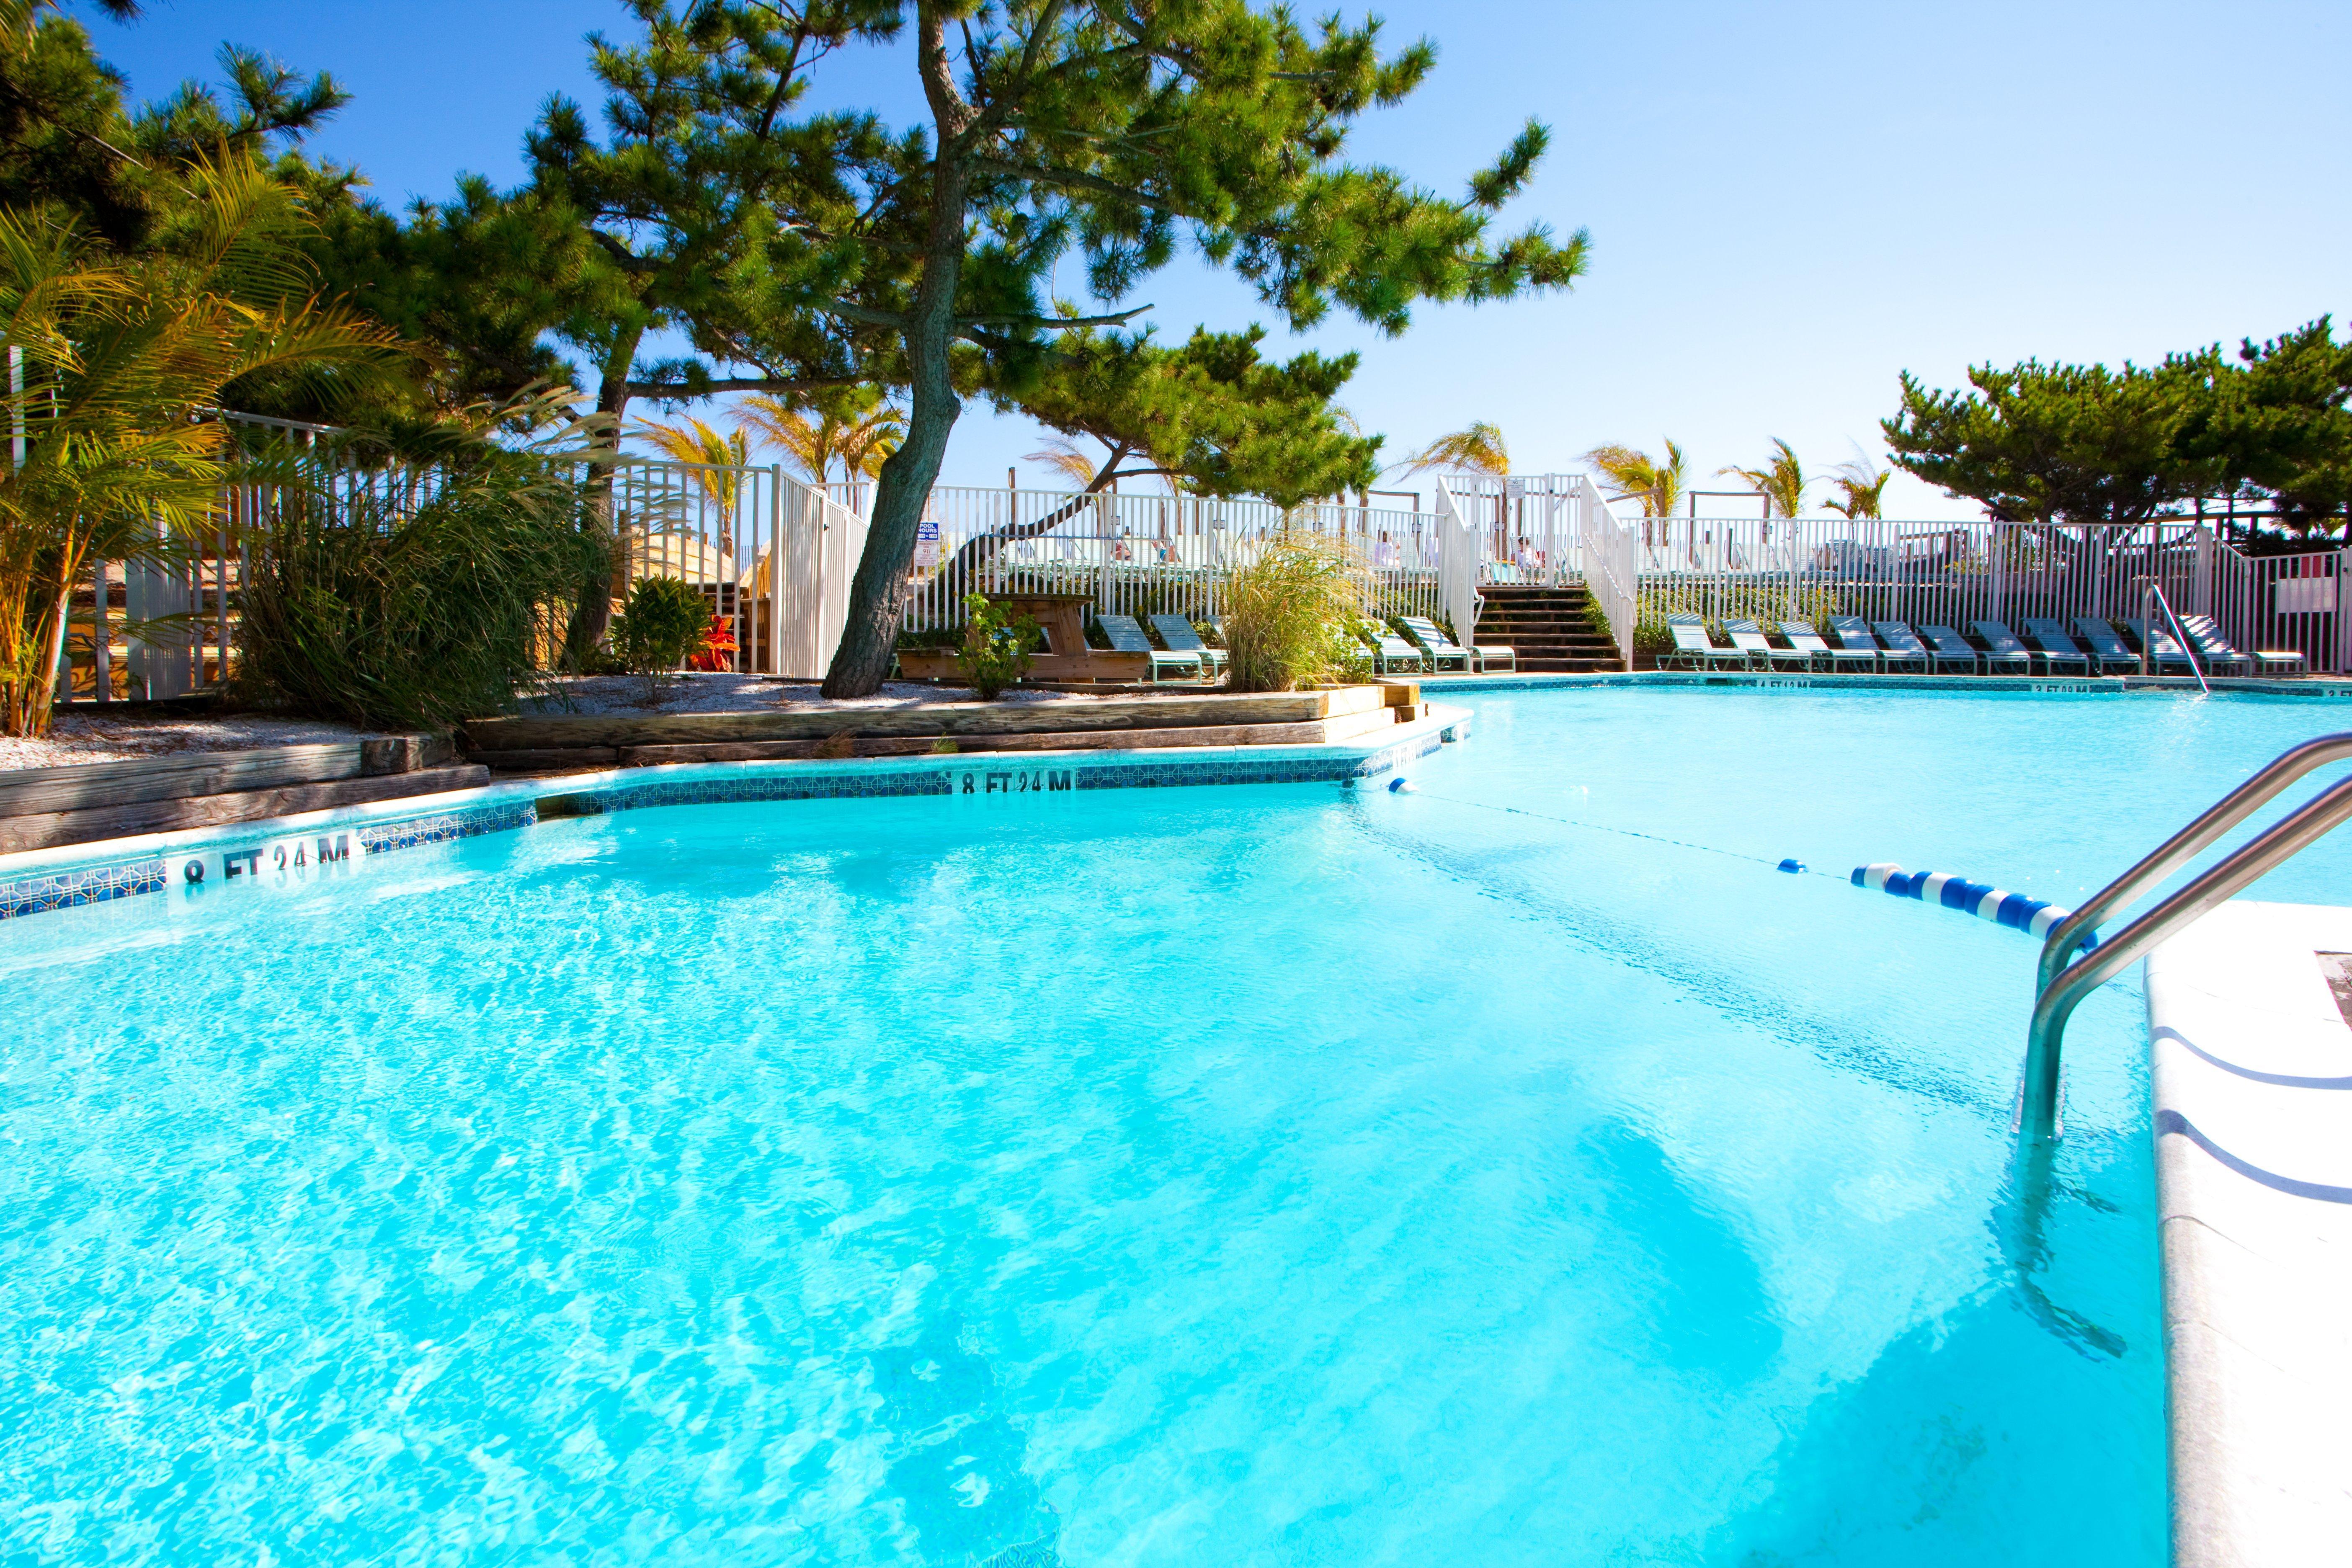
(44, 881)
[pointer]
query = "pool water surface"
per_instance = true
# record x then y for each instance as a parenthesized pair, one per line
(1515, 1170)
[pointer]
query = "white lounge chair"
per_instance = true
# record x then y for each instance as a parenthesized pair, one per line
(1391, 652)
(1903, 644)
(1948, 646)
(2002, 647)
(1804, 639)
(2056, 643)
(2217, 650)
(2164, 649)
(2106, 646)
(1696, 649)
(1854, 635)
(1748, 638)
(1127, 637)
(1441, 649)
(1178, 634)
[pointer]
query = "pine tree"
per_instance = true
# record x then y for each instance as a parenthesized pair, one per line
(921, 258)
(1211, 415)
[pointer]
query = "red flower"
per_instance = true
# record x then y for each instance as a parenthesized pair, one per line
(717, 645)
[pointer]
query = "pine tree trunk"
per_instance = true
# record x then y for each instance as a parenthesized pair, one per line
(593, 616)
(869, 634)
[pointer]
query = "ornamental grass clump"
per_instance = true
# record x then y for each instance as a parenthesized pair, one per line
(357, 611)
(1291, 616)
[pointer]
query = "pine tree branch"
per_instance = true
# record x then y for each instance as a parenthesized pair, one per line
(660, 390)
(1053, 324)
(621, 255)
(1073, 180)
(850, 310)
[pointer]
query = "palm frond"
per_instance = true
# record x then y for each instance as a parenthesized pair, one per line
(1633, 475)
(1862, 488)
(1478, 448)
(1064, 457)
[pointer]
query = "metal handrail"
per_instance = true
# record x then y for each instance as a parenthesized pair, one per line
(2177, 850)
(2155, 591)
(2037, 1109)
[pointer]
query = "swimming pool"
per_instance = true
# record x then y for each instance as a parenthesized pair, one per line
(1257, 1175)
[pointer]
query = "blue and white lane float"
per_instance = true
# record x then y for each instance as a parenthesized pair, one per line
(2034, 917)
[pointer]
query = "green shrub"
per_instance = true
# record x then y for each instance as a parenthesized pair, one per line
(930, 638)
(995, 651)
(660, 623)
(1291, 616)
(354, 611)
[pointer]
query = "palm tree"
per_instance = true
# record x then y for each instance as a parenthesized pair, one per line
(124, 361)
(857, 440)
(1635, 475)
(1862, 486)
(1478, 449)
(1066, 459)
(692, 441)
(1780, 481)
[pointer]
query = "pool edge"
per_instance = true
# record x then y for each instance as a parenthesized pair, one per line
(2306, 688)
(40, 881)
(2249, 1052)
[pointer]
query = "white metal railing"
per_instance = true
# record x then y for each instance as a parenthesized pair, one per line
(1141, 554)
(1612, 572)
(1951, 573)
(2288, 603)
(776, 557)
(1530, 529)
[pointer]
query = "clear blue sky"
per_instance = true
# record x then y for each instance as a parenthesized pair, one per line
(1790, 204)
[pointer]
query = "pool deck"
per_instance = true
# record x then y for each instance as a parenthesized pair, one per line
(247, 855)
(2253, 1079)
(2319, 687)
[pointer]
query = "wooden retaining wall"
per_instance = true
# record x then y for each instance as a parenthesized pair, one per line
(552, 743)
(41, 808)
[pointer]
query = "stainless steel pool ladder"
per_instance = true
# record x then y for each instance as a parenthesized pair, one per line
(2062, 984)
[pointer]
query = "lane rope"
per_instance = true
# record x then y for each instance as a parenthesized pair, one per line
(1404, 786)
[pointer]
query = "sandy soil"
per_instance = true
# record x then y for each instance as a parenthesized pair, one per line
(75, 738)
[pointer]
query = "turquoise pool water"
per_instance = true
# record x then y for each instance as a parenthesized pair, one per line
(1239, 1175)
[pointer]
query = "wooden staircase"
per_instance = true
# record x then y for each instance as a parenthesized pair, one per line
(1549, 629)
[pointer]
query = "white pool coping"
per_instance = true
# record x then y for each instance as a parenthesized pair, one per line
(2253, 1079)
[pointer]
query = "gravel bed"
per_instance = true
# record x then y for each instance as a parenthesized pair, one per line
(75, 737)
(726, 693)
